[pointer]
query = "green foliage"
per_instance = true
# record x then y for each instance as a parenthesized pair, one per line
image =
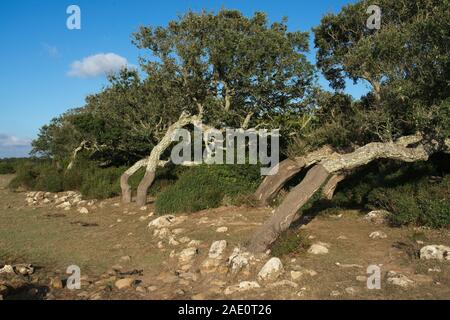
(6, 168)
(416, 194)
(289, 242)
(206, 187)
(101, 183)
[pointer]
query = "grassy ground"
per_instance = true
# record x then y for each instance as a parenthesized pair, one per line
(55, 239)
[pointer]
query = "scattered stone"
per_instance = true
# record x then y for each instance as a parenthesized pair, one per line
(335, 293)
(152, 288)
(184, 240)
(398, 279)
(24, 269)
(162, 233)
(217, 249)
(64, 205)
(351, 290)
(222, 229)
(144, 208)
(300, 272)
(239, 260)
(241, 287)
(194, 243)
(143, 218)
(436, 269)
(271, 270)
(435, 252)
(7, 269)
(124, 283)
(178, 231)
(166, 221)
(378, 235)
(377, 216)
(83, 210)
(343, 265)
(361, 278)
(173, 242)
(187, 255)
(125, 259)
(319, 248)
(342, 238)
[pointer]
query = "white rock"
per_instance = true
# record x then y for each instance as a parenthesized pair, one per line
(166, 221)
(222, 230)
(241, 287)
(398, 279)
(144, 208)
(217, 249)
(378, 235)
(238, 260)
(319, 248)
(184, 239)
(64, 205)
(435, 252)
(271, 270)
(162, 233)
(194, 243)
(83, 210)
(187, 255)
(173, 242)
(376, 216)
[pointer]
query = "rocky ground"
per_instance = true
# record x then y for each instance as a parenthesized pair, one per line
(125, 252)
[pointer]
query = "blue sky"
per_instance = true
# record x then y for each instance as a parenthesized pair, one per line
(38, 80)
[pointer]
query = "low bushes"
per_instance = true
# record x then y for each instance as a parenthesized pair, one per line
(206, 187)
(414, 194)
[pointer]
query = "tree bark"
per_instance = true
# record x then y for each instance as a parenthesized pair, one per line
(286, 213)
(146, 182)
(330, 187)
(335, 164)
(124, 185)
(154, 159)
(288, 168)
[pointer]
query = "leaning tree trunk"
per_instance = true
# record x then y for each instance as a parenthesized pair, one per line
(288, 168)
(286, 213)
(154, 159)
(124, 185)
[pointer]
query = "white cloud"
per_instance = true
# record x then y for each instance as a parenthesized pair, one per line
(12, 146)
(13, 141)
(98, 64)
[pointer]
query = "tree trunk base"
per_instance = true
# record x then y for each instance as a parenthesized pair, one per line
(126, 188)
(286, 213)
(146, 182)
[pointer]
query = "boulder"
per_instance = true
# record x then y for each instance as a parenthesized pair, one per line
(271, 270)
(124, 283)
(378, 235)
(376, 216)
(83, 210)
(166, 221)
(435, 252)
(319, 248)
(187, 255)
(399, 280)
(217, 249)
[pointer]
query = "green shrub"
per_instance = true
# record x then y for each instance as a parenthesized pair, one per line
(101, 183)
(290, 241)
(206, 187)
(6, 168)
(26, 175)
(49, 179)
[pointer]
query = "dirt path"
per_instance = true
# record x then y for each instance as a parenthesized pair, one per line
(114, 241)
